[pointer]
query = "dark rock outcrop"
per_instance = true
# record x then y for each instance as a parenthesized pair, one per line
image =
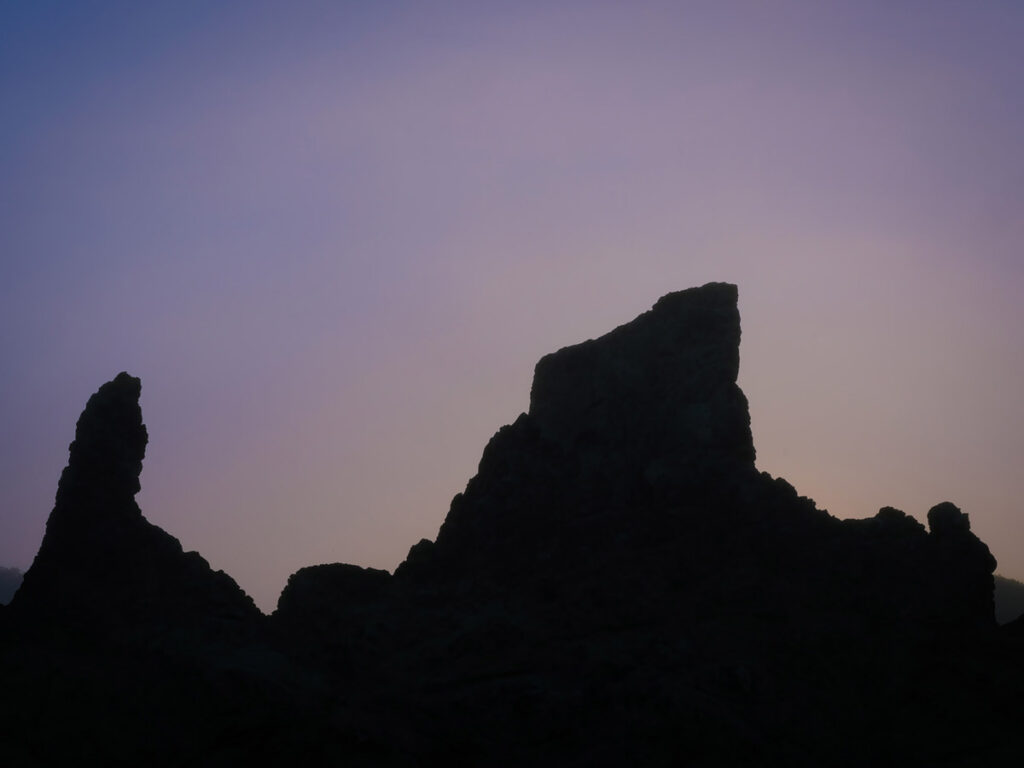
(656, 398)
(632, 477)
(617, 584)
(624, 507)
(102, 568)
(336, 613)
(620, 428)
(120, 648)
(965, 567)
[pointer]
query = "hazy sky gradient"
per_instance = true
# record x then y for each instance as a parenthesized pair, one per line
(334, 238)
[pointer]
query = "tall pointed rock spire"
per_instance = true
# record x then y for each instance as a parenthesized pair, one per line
(101, 563)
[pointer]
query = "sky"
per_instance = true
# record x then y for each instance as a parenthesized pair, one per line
(333, 239)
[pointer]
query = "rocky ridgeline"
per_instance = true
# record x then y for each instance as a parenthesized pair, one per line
(617, 583)
(635, 465)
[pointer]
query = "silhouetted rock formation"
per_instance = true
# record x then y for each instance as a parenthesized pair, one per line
(656, 398)
(965, 565)
(334, 612)
(102, 568)
(617, 584)
(646, 415)
(632, 477)
(122, 648)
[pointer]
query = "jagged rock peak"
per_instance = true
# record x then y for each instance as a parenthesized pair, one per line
(660, 389)
(106, 456)
(946, 519)
(647, 413)
(101, 563)
(965, 564)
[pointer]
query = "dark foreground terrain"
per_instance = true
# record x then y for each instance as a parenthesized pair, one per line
(618, 584)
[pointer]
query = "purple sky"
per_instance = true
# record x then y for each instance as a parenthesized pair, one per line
(334, 238)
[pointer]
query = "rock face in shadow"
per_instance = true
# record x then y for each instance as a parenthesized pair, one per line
(616, 584)
(102, 568)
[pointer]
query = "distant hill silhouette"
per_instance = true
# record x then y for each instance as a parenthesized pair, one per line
(10, 580)
(618, 584)
(1009, 599)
